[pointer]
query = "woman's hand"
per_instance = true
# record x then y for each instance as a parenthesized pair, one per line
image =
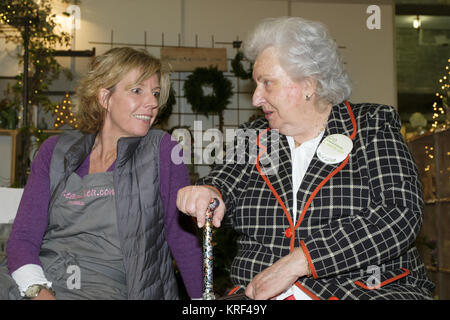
(278, 277)
(194, 201)
(44, 294)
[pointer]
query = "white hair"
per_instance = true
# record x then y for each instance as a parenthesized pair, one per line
(306, 50)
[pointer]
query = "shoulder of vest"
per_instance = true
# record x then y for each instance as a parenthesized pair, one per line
(153, 136)
(65, 140)
(155, 133)
(69, 135)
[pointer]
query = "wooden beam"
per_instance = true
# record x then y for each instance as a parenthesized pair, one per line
(422, 9)
(75, 53)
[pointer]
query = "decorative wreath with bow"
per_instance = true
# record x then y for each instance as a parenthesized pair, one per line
(207, 104)
(238, 69)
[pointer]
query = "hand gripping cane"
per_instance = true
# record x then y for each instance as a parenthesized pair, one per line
(208, 293)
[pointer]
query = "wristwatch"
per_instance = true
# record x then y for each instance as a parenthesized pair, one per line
(34, 290)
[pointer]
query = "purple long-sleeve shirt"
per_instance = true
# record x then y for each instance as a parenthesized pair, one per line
(31, 221)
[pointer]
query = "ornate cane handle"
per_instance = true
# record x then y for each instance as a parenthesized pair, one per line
(208, 293)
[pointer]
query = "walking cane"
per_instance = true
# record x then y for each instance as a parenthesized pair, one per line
(208, 292)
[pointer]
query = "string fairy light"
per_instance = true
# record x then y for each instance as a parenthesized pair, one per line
(64, 114)
(440, 108)
(34, 19)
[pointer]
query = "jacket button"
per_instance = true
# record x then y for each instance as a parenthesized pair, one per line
(288, 233)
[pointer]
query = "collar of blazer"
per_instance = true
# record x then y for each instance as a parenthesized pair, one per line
(341, 121)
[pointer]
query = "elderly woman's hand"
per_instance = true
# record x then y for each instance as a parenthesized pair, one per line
(194, 201)
(278, 277)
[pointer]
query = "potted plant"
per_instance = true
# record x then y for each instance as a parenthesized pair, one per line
(8, 114)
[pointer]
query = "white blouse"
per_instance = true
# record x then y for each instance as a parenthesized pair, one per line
(301, 158)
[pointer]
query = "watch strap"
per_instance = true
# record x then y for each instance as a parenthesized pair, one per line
(34, 290)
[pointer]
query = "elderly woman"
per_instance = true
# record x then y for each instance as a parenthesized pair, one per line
(98, 217)
(337, 215)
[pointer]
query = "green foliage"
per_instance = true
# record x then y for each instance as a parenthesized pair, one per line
(43, 39)
(210, 104)
(441, 111)
(225, 249)
(238, 69)
(34, 27)
(8, 114)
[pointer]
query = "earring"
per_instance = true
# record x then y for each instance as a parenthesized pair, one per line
(307, 97)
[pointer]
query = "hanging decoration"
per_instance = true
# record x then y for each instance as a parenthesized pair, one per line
(40, 136)
(441, 112)
(193, 89)
(215, 103)
(238, 69)
(64, 114)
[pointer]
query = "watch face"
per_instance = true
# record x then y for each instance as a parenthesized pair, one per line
(33, 290)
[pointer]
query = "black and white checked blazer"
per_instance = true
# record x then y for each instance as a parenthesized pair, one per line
(360, 228)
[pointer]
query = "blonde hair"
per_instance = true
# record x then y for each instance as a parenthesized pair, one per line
(105, 72)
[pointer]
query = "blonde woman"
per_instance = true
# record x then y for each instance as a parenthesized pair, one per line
(98, 218)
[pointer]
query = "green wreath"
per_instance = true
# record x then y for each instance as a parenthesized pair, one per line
(222, 91)
(238, 69)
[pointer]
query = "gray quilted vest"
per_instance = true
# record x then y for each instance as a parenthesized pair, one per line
(140, 215)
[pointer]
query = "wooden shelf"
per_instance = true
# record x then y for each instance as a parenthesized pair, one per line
(431, 154)
(53, 131)
(74, 53)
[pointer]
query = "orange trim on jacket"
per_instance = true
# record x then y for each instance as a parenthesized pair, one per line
(308, 258)
(214, 189)
(316, 190)
(404, 274)
(233, 290)
(292, 228)
(309, 293)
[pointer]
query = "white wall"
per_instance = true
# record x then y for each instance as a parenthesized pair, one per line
(5, 161)
(369, 54)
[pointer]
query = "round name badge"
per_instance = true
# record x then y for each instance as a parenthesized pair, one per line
(334, 148)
